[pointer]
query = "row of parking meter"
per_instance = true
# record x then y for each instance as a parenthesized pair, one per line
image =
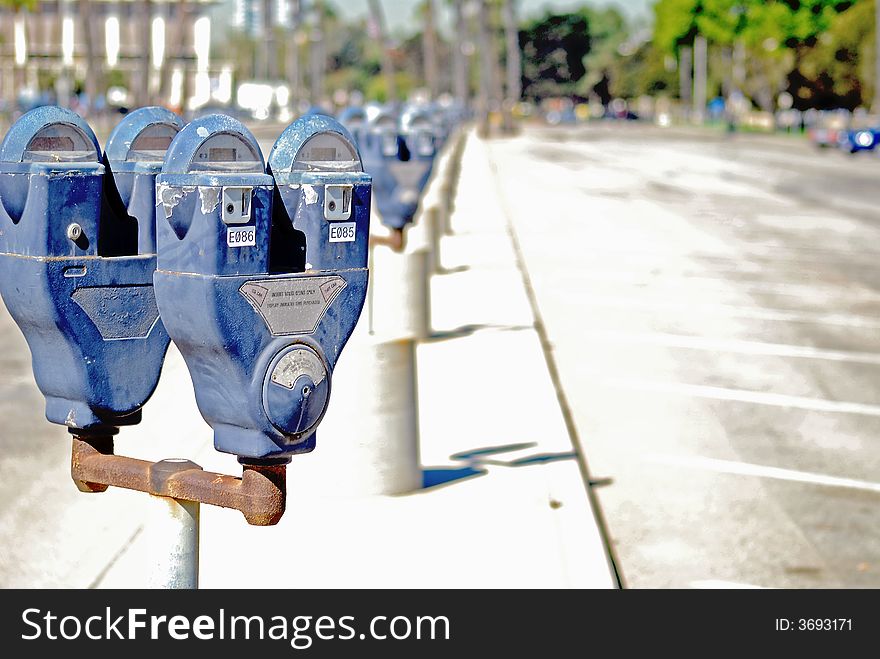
(398, 151)
(182, 232)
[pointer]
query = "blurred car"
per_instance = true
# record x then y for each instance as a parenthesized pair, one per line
(862, 139)
(564, 116)
(829, 132)
(619, 109)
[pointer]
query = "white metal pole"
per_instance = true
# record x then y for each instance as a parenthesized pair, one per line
(172, 531)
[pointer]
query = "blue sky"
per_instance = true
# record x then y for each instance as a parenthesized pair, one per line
(400, 13)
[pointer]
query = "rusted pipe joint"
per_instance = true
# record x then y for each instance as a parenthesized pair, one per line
(260, 494)
(396, 240)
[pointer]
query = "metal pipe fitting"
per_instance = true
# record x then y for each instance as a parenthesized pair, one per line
(260, 494)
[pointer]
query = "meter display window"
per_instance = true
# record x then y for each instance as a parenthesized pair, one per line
(327, 152)
(225, 152)
(424, 144)
(152, 143)
(60, 143)
(389, 143)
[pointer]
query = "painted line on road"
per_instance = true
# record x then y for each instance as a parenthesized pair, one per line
(733, 283)
(863, 258)
(742, 396)
(733, 311)
(734, 345)
(762, 471)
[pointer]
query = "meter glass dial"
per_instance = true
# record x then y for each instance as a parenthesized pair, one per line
(327, 152)
(152, 143)
(60, 143)
(225, 152)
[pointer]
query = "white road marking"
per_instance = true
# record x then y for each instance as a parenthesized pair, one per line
(681, 279)
(733, 311)
(734, 345)
(774, 253)
(742, 396)
(748, 469)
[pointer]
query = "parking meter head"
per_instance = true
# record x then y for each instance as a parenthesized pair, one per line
(133, 155)
(384, 128)
(213, 198)
(255, 294)
(353, 115)
(90, 319)
(420, 134)
(324, 192)
(354, 118)
(380, 148)
(44, 140)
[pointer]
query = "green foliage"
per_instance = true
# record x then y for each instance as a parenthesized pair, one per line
(554, 48)
(608, 33)
(788, 23)
(839, 71)
(376, 88)
(820, 50)
(16, 5)
(675, 23)
(644, 72)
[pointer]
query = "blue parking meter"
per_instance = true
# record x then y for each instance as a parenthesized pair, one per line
(354, 119)
(419, 134)
(83, 301)
(134, 154)
(261, 278)
(381, 146)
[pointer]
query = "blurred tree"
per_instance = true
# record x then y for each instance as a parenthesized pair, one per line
(609, 32)
(377, 87)
(839, 71)
(775, 37)
(429, 47)
(377, 17)
(643, 72)
(17, 5)
(553, 49)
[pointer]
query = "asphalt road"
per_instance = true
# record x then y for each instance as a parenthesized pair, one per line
(713, 304)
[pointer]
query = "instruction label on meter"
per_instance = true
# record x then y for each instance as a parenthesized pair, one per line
(292, 306)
